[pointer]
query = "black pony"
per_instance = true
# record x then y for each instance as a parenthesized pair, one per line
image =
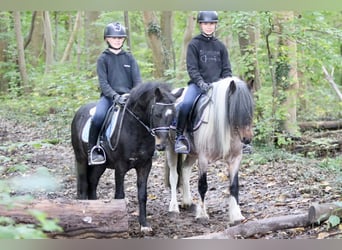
(144, 125)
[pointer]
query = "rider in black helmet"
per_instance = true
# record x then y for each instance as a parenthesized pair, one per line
(118, 73)
(207, 61)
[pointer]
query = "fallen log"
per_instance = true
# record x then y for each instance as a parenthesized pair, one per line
(317, 213)
(321, 212)
(320, 125)
(79, 219)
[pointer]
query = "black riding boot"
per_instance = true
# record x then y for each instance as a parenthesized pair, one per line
(95, 156)
(182, 145)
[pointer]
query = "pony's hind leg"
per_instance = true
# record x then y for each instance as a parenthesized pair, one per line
(201, 211)
(94, 175)
(82, 180)
(235, 215)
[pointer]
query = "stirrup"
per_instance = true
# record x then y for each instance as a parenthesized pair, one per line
(186, 145)
(101, 151)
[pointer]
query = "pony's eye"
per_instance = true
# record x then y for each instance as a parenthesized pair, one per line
(159, 115)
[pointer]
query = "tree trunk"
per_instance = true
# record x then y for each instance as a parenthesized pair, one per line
(153, 34)
(79, 219)
(21, 53)
(94, 42)
(48, 41)
(166, 24)
(286, 72)
(3, 57)
(128, 30)
(316, 214)
(72, 37)
(189, 29)
(248, 37)
(36, 44)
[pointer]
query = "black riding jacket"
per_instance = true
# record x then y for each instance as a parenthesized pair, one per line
(117, 73)
(207, 60)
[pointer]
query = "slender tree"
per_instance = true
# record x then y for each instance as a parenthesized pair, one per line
(49, 58)
(20, 50)
(72, 37)
(188, 32)
(3, 48)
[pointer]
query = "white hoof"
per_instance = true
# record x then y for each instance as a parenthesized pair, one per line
(146, 229)
(201, 212)
(234, 212)
(174, 208)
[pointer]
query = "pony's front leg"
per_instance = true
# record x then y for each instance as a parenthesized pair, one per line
(171, 161)
(143, 172)
(201, 211)
(235, 215)
(186, 174)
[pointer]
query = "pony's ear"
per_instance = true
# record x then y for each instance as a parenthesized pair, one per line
(158, 95)
(178, 92)
(232, 86)
(250, 84)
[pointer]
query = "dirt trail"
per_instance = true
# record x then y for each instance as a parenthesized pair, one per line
(271, 189)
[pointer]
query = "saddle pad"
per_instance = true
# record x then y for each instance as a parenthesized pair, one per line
(85, 131)
(110, 128)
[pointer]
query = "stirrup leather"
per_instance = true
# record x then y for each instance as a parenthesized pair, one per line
(101, 151)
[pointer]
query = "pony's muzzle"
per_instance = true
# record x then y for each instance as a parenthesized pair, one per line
(160, 147)
(160, 143)
(246, 140)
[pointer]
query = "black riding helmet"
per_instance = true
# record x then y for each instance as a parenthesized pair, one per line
(114, 29)
(207, 17)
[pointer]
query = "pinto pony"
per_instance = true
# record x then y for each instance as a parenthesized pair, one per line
(225, 125)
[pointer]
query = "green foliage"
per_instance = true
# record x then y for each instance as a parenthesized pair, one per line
(265, 154)
(332, 164)
(9, 229)
(46, 224)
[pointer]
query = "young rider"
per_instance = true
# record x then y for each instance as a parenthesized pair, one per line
(207, 62)
(118, 73)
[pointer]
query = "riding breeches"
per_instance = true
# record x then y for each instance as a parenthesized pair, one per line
(101, 110)
(185, 107)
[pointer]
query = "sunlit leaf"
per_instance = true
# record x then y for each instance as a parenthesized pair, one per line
(334, 220)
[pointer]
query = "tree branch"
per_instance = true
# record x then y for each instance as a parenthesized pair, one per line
(330, 79)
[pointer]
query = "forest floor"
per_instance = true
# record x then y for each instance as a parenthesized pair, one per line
(267, 189)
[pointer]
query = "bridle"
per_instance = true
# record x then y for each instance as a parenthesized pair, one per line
(151, 128)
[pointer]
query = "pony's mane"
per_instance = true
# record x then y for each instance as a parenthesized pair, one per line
(144, 88)
(226, 112)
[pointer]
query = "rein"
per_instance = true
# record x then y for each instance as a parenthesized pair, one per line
(152, 131)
